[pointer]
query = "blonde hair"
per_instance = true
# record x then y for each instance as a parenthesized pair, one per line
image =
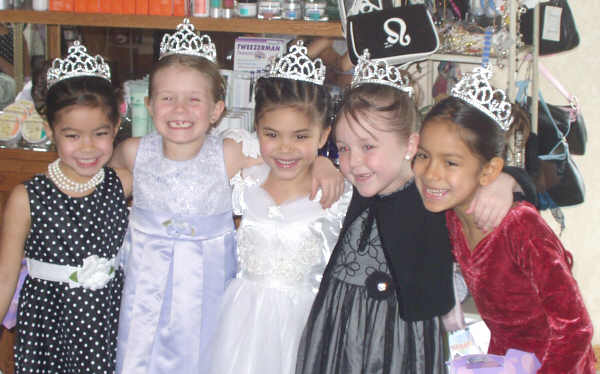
(200, 64)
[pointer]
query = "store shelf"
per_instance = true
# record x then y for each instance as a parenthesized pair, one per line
(236, 25)
(18, 165)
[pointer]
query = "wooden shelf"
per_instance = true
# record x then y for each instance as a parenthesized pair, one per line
(238, 25)
(18, 165)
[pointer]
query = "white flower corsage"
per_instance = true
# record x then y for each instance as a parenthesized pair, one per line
(95, 273)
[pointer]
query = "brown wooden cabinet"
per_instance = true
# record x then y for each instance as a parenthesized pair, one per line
(231, 25)
(236, 25)
(18, 165)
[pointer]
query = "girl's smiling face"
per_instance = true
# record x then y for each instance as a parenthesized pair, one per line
(84, 138)
(447, 172)
(289, 142)
(182, 105)
(375, 160)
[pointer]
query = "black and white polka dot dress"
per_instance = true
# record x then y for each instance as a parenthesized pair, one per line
(62, 329)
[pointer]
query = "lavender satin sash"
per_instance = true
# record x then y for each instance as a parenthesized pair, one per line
(175, 277)
(10, 319)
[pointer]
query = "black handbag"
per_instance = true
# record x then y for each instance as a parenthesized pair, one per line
(570, 122)
(551, 12)
(568, 118)
(555, 172)
(396, 35)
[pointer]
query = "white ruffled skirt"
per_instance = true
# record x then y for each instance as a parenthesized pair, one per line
(260, 327)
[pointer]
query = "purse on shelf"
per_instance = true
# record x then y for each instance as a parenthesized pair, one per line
(558, 32)
(576, 130)
(570, 122)
(562, 180)
(569, 117)
(349, 8)
(554, 171)
(396, 35)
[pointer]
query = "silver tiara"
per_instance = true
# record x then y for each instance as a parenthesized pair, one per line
(78, 63)
(298, 66)
(185, 41)
(365, 6)
(475, 89)
(379, 72)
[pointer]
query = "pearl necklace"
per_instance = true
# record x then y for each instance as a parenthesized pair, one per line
(66, 184)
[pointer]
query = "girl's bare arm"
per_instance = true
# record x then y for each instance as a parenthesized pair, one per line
(16, 223)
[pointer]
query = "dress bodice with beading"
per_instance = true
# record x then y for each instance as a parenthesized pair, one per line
(282, 251)
(290, 242)
(181, 187)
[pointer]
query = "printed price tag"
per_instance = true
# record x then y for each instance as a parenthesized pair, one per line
(551, 27)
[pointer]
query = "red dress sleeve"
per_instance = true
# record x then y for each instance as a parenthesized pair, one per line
(545, 261)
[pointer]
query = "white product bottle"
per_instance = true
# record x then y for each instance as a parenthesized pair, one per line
(315, 10)
(40, 5)
(291, 9)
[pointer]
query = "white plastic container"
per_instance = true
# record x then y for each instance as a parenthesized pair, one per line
(40, 5)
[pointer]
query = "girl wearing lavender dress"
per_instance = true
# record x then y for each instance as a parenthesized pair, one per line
(180, 242)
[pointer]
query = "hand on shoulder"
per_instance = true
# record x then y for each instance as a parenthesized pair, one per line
(240, 153)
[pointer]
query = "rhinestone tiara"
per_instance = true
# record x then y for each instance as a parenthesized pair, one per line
(185, 41)
(78, 63)
(298, 66)
(475, 89)
(379, 72)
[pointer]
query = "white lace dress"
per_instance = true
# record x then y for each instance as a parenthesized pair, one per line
(282, 252)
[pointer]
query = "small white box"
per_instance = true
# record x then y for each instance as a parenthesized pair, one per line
(254, 54)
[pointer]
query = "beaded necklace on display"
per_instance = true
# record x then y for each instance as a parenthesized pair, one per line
(66, 184)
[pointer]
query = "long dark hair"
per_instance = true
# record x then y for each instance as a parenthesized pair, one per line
(88, 91)
(483, 135)
(309, 98)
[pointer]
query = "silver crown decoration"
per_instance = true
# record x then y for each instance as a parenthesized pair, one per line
(78, 63)
(475, 89)
(365, 6)
(379, 72)
(298, 66)
(185, 41)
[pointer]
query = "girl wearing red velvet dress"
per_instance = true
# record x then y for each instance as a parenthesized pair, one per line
(519, 274)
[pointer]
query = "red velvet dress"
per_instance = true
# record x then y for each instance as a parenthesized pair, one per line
(523, 288)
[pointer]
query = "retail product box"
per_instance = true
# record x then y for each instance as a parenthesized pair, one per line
(105, 6)
(87, 6)
(161, 7)
(80, 6)
(129, 7)
(254, 54)
(180, 8)
(141, 6)
(61, 5)
(122, 6)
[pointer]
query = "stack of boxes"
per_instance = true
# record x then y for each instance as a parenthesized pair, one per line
(141, 7)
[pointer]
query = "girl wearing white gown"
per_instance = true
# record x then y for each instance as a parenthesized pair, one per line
(284, 239)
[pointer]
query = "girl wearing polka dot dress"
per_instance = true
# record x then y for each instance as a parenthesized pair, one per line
(69, 223)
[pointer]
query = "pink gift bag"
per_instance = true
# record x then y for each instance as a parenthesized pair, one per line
(514, 362)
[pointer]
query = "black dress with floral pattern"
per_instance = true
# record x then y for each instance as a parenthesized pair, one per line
(356, 324)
